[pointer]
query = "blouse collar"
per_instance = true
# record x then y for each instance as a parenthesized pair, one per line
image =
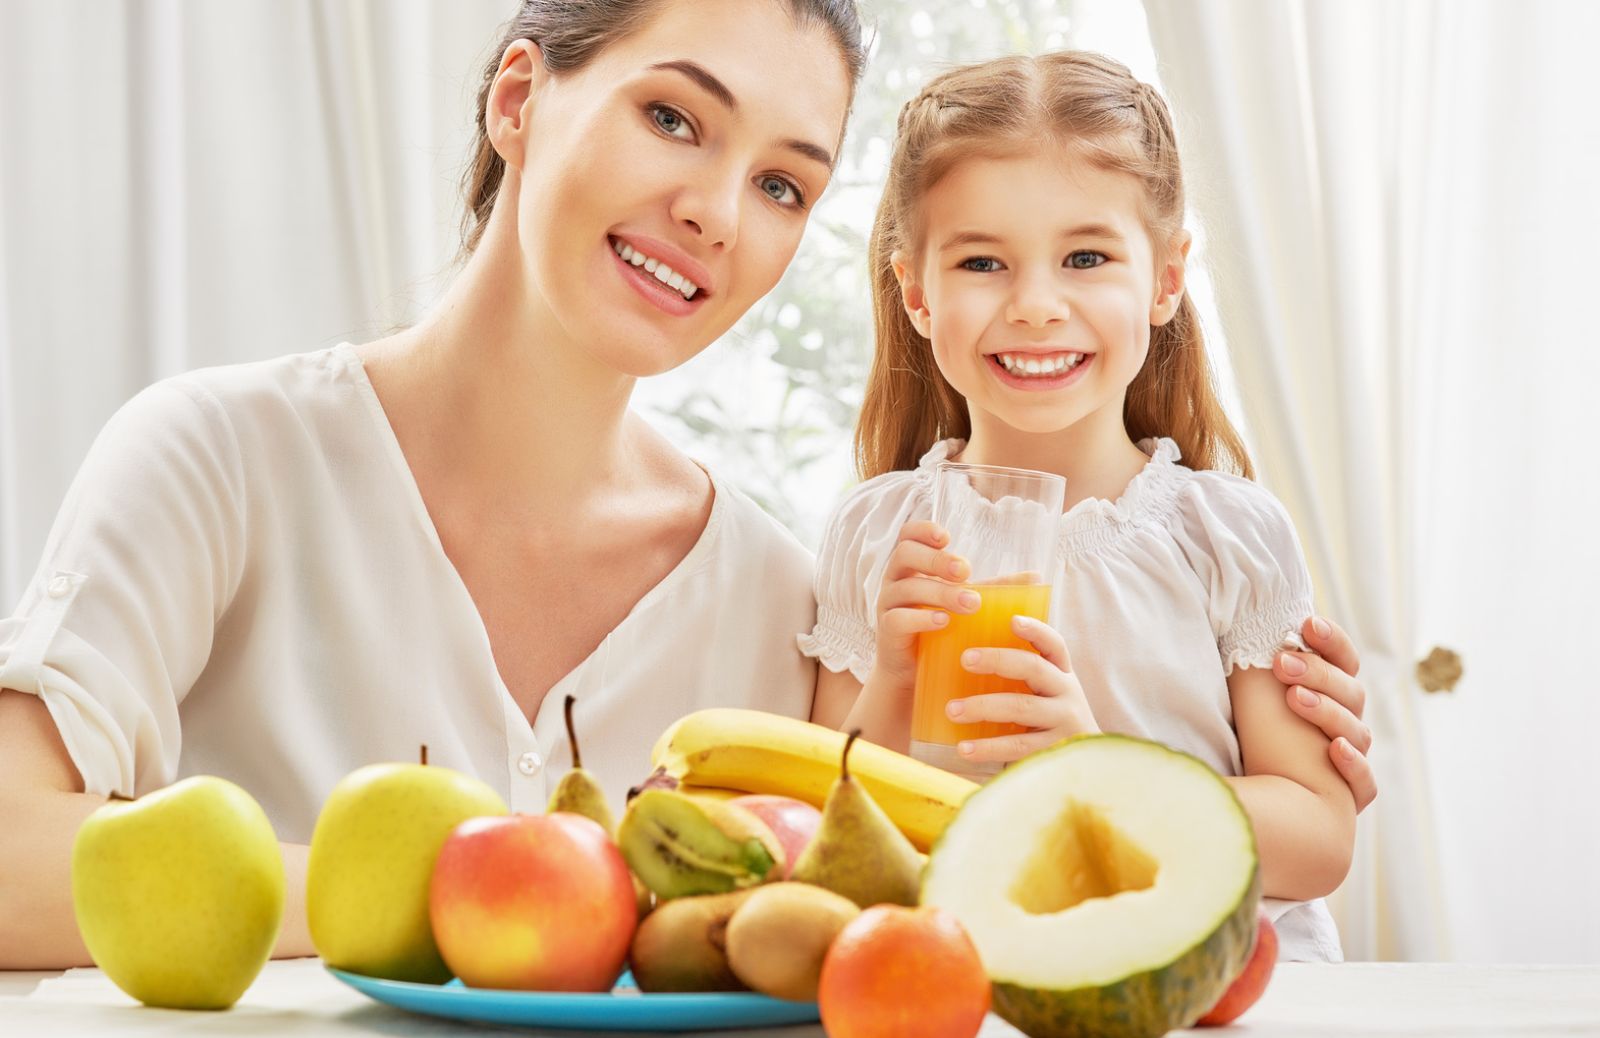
(1096, 522)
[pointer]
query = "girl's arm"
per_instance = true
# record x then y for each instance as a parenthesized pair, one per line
(41, 808)
(1303, 811)
(842, 702)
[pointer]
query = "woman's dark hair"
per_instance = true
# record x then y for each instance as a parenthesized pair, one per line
(570, 33)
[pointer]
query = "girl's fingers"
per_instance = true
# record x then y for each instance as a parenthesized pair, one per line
(1041, 675)
(1045, 638)
(902, 625)
(1006, 707)
(1357, 771)
(925, 591)
(1005, 748)
(913, 557)
(1329, 715)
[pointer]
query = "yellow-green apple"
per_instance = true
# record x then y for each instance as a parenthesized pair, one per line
(793, 822)
(372, 855)
(1249, 985)
(179, 894)
(533, 902)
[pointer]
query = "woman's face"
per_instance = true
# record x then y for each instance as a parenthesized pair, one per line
(700, 142)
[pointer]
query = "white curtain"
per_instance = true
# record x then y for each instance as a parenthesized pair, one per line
(1401, 211)
(193, 183)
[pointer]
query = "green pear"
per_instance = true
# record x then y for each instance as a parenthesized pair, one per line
(179, 894)
(372, 856)
(578, 791)
(858, 852)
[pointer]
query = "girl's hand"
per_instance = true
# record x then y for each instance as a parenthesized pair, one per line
(914, 597)
(1327, 677)
(1056, 709)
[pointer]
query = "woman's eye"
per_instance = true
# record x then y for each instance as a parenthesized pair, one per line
(1085, 260)
(782, 191)
(981, 264)
(670, 122)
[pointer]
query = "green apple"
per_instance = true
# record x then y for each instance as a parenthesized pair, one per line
(372, 856)
(179, 894)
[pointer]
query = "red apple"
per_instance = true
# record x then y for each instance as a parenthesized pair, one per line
(1248, 985)
(793, 822)
(533, 902)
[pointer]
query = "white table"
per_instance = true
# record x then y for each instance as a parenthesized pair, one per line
(297, 997)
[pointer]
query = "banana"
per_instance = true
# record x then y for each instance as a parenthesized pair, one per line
(758, 752)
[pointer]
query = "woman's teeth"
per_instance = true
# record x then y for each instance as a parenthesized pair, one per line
(1024, 365)
(664, 274)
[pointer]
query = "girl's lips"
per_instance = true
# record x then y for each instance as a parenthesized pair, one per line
(665, 297)
(1038, 383)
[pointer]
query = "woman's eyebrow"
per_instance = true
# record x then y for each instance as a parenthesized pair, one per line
(705, 80)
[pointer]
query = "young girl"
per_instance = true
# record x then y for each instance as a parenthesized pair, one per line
(1028, 274)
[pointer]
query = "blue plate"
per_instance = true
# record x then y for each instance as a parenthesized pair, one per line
(624, 1008)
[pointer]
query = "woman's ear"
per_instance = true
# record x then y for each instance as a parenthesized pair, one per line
(1170, 279)
(912, 296)
(506, 116)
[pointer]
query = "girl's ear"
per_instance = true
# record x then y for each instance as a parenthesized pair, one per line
(507, 115)
(911, 295)
(1169, 279)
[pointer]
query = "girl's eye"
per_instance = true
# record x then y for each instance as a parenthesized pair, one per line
(670, 121)
(981, 264)
(1085, 260)
(785, 192)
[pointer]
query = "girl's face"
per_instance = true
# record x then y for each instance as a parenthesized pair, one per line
(700, 142)
(1037, 286)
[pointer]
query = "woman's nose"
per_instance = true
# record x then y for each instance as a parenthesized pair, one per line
(711, 211)
(1037, 301)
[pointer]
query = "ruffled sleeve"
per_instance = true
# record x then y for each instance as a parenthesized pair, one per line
(1242, 544)
(143, 558)
(850, 561)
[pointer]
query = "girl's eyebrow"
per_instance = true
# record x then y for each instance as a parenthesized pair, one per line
(1088, 230)
(703, 78)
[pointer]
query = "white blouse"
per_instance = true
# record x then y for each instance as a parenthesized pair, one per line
(243, 581)
(1160, 595)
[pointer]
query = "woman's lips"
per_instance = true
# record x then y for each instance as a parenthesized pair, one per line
(665, 297)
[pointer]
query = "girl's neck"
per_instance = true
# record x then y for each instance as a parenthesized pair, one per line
(1095, 454)
(498, 404)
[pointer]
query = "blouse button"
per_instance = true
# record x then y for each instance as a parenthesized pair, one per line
(529, 762)
(58, 587)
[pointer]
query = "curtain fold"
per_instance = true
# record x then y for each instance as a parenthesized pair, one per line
(1302, 166)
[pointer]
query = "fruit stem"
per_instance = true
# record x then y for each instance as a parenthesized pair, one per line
(844, 759)
(572, 735)
(424, 755)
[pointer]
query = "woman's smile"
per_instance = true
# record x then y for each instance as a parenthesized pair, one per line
(677, 292)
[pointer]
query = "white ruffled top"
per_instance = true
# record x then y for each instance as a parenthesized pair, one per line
(1160, 595)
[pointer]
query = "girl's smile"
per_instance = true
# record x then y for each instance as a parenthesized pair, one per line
(1036, 372)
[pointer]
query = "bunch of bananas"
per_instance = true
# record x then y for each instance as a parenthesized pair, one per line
(748, 751)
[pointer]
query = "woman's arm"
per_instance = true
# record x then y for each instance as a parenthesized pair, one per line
(41, 808)
(1303, 811)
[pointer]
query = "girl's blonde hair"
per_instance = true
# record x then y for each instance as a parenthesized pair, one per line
(1073, 99)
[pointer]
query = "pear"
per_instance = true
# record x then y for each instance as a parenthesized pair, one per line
(578, 791)
(179, 894)
(858, 852)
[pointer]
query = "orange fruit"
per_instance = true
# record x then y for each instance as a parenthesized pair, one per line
(896, 971)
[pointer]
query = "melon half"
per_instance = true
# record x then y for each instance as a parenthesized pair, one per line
(1109, 883)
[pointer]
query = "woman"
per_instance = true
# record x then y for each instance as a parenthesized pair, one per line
(317, 562)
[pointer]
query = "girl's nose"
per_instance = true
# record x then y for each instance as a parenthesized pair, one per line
(711, 211)
(1037, 301)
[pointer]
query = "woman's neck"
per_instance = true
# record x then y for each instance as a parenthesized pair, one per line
(498, 405)
(1095, 453)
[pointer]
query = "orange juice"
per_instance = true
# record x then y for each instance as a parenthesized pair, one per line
(940, 676)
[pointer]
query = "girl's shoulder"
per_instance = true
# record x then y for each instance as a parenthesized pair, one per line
(888, 501)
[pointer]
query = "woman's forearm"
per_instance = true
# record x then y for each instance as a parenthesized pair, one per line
(37, 829)
(1304, 839)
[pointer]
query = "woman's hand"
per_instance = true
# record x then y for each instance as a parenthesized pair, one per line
(915, 597)
(1323, 689)
(1056, 709)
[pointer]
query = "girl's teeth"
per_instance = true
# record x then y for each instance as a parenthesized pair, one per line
(1028, 366)
(665, 274)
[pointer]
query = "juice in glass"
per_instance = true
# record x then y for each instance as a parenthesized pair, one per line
(941, 678)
